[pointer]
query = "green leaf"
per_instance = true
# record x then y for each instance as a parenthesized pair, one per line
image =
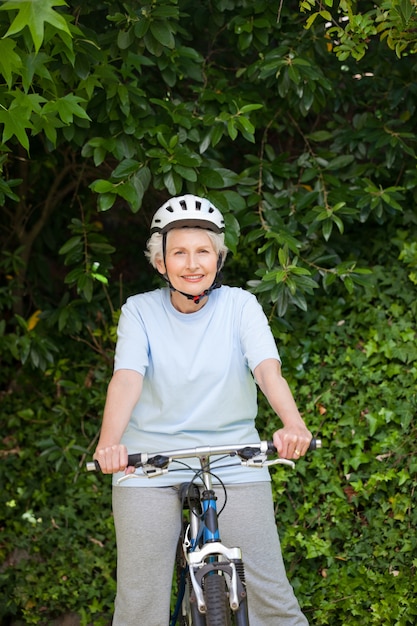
(348, 282)
(67, 107)
(205, 143)
(340, 162)
(216, 134)
(246, 124)
(310, 20)
(320, 135)
(10, 62)
(232, 232)
(231, 129)
(125, 169)
(125, 38)
(153, 46)
(327, 228)
(283, 257)
(85, 285)
(72, 243)
(280, 276)
(74, 275)
(102, 186)
(140, 181)
(186, 172)
(210, 178)
(173, 182)
(15, 124)
(106, 201)
(299, 300)
(227, 201)
(294, 74)
(326, 15)
(163, 33)
(328, 279)
(250, 107)
(126, 191)
(34, 14)
(299, 271)
(338, 223)
(100, 278)
(141, 28)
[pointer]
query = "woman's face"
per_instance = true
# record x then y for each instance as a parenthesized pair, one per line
(190, 260)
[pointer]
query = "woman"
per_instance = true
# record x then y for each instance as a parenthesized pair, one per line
(186, 362)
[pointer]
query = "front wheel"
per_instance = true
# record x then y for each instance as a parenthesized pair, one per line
(216, 599)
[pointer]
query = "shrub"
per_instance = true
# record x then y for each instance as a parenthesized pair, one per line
(347, 517)
(56, 542)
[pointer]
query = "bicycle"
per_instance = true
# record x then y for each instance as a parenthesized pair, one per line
(210, 576)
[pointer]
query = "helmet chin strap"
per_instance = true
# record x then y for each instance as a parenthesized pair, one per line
(196, 299)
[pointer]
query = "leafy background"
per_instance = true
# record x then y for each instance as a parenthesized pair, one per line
(300, 125)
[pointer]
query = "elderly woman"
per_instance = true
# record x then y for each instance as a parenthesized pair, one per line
(186, 362)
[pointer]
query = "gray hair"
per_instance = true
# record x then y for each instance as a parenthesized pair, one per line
(154, 247)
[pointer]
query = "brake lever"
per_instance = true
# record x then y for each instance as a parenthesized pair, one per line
(261, 460)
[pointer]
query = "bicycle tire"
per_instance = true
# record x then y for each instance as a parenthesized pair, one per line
(216, 599)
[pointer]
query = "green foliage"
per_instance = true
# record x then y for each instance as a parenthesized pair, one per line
(346, 517)
(135, 103)
(107, 109)
(34, 15)
(57, 546)
(353, 28)
(92, 249)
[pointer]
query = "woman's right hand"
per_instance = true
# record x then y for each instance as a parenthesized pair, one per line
(113, 459)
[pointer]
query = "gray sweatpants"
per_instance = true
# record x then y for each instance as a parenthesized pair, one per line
(147, 521)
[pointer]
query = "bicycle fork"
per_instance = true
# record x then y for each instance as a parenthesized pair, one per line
(212, 557)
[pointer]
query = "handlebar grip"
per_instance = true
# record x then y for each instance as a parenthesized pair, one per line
(133, 460)
(315, 444)
(93, 466)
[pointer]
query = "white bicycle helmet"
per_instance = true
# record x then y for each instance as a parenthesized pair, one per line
(187, 210)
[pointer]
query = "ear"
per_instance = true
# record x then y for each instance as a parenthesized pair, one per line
(160, 266)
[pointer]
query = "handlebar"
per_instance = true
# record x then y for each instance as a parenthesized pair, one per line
(250, 454)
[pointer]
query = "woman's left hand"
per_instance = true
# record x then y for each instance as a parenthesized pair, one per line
(292, 441)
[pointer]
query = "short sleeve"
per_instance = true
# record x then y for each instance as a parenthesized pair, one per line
(257, 340)
(132, 348)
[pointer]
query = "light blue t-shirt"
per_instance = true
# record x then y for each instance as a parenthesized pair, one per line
(198, 387)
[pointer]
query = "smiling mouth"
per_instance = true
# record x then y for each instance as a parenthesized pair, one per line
(193, 278)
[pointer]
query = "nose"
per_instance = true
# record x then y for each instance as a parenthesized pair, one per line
(192, 261)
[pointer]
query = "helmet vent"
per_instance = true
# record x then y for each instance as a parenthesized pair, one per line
(183, 205)
(198, 205)
(211, 210)
(170, 209)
